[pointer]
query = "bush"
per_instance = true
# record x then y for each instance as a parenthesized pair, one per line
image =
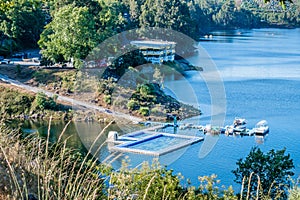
(144, 111)
(43, 102)
(149, 182)
(14, 102)
(133, 105)
(145, 90)
(156, 182)
(107, 99)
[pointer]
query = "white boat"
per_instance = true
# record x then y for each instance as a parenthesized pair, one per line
(239, 125)
(236, 130)
(207, 128)
(239, 121)
(261, 127)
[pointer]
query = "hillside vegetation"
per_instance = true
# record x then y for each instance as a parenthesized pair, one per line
(20, 104)
(23, 22)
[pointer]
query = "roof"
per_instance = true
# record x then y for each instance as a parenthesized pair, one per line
(152, 43)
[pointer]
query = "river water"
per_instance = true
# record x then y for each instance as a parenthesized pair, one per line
(260, 74)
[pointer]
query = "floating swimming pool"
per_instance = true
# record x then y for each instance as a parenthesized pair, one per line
(138, 135)
(156, 144)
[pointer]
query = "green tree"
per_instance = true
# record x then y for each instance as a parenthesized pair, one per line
(56, 5)
(135, 10)
(146, 93)
(172, 14)
(22, 21)
(70, 36)
(111, 19)
(269, 172)
(121, 64)
(226, 16)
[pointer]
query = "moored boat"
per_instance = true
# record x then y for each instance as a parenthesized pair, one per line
(239, 126)
(261, 127)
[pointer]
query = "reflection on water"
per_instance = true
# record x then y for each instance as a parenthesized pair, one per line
(260, 139)
(80, 135)
(56, 128)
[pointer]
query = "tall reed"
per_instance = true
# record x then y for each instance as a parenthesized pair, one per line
(38, 169)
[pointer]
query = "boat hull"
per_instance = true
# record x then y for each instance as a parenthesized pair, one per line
(262, 131)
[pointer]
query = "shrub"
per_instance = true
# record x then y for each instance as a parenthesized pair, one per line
(133, 105)
(149, 182)
(145, 90)
(144, 111)
(107, 99)
(156, 182)
(14, 102)
(43, 102)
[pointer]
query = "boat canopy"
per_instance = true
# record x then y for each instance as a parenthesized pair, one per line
(262, 123)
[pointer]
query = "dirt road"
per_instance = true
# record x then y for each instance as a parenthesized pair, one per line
(69, 100)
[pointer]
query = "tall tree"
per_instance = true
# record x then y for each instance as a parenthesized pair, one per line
(70, 35)
(227, 14)
(22, 21)
(269, 172)
(173, 14)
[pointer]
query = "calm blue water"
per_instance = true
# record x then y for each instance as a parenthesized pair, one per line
(261, 75)
(260, 72)
(158, 143)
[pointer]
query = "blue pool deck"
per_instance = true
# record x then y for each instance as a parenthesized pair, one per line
(153, 143)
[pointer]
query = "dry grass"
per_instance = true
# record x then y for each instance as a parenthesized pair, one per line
(35, 168)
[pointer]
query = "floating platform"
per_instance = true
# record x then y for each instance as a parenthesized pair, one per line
(154, 143)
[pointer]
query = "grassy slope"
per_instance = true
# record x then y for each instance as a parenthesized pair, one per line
(89, 87)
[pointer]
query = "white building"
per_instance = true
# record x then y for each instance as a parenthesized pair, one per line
(156, 51)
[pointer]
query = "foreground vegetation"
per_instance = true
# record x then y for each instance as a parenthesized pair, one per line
(33, 168)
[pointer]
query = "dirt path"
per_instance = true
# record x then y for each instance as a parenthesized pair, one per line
(74, 102)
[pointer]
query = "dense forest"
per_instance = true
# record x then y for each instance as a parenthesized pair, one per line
(65, 29)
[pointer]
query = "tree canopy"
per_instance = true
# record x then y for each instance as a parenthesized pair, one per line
(101, 19)
(21, 23)
(269, 172)
(70, 35)
(71, 28)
